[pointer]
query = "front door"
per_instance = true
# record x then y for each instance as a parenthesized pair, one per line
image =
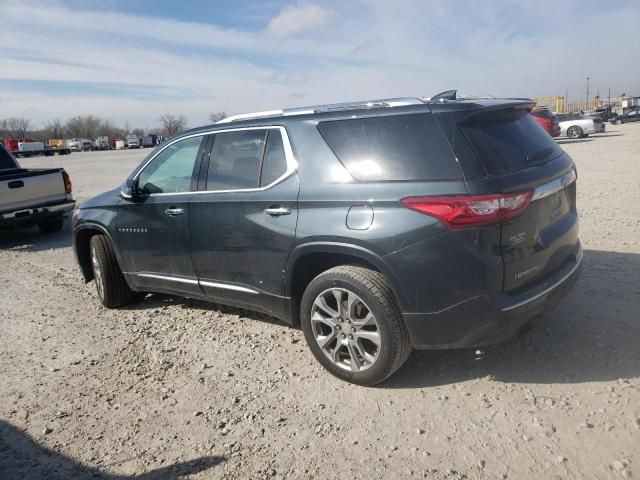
(242, 227)
(153, 227)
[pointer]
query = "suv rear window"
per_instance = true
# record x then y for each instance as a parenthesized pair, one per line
(506, 141)
(395, 147)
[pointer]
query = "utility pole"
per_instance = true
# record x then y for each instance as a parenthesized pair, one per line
(609, 97)
(588, 78)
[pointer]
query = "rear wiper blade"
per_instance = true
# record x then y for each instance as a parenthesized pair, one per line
(539, 155)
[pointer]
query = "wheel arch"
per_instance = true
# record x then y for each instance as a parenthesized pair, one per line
(81, 247)
(311, 259)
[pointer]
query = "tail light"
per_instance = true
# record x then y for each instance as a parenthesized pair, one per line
(67, 182)
(464, 212)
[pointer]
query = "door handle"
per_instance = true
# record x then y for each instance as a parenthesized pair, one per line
(173, 212)
(277, 211)
(16, 184)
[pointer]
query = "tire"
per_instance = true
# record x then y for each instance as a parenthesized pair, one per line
(51, 225)
(336, 335)
(618, 122)
(575, 132)
(585, 135)
(112, 288)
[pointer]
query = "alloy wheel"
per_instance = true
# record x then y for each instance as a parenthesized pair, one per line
(345, 329)
(97, 272)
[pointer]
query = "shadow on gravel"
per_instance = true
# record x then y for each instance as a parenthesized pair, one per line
(564, 141)
(591, 336)
(33, 240)
(22, 457)
(154, 301)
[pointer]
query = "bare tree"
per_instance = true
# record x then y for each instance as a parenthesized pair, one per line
(173, 124)
(217, 116)
(84, 126)
(54, 128)
(16, 127)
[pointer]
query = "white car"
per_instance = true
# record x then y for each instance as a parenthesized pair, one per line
(574, 125)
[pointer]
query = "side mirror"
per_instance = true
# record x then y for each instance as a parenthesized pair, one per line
(128, 189)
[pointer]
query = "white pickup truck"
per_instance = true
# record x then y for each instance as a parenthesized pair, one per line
(39, 197)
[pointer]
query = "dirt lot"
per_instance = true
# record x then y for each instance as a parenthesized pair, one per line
(173, 387)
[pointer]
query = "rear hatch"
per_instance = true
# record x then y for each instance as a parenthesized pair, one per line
(515, 154)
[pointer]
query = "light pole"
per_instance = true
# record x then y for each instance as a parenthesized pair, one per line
(588, 78)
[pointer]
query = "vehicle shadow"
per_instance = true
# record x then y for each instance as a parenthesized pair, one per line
(33, 240)
(591, 336)
(564, 141)
(608, 134)
(154, 301)
(23, 457)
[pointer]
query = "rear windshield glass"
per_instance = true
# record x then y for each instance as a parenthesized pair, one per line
(396, 147)
(6, 162)
(509, 140)
(543, 114)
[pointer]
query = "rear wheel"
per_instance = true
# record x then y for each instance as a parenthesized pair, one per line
(353, 326)
(618, 121)
(575, 132)
(112, 288)
(51, 225)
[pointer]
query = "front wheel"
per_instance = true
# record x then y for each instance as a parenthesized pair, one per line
(353, 326)
(618, 122)
(112, 288)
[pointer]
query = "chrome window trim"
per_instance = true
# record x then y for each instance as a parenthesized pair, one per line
(292, 164)
(549, 188)
(202, 283)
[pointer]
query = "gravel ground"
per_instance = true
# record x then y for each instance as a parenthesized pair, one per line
(170, 387)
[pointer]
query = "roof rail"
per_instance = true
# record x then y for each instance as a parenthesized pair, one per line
(335, 107)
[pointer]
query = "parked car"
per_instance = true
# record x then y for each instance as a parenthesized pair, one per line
(87, 144)
(150, 141)
(33, 197)
(380, 226)
(574, 125)
(133, 141)
(74, 145)
(546, 120)
(632, 115)
(102, 143)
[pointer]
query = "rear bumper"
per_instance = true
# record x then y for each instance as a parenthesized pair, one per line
(35, 214)
(490, 319)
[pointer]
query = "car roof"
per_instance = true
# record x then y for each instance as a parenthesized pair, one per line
(364, 108)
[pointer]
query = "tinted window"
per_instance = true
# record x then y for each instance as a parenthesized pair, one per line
(6, 162)
(397, 147)
(235, 160)
(509, 140)
(172, 169)
(274, 163)
(543, 113)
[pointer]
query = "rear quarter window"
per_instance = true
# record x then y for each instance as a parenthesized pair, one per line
(396, 147)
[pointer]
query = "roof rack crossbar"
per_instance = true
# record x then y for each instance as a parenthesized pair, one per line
(382, 103)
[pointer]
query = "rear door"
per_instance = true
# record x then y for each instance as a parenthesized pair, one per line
(518, 155)
(242, 224)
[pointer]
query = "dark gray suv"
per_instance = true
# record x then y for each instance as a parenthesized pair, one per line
(379, 227)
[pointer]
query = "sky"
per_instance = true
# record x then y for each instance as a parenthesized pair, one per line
(134, 60)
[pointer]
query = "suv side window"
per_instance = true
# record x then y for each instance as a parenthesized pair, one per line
(171, 171)
(394, 147)
(274, 163)
(235, 160)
